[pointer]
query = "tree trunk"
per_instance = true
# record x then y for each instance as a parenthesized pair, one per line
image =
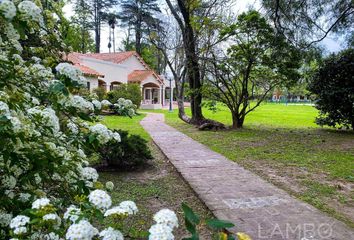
(97, 27)
(138, 42)
(97, 40)
(138, 35)
(83, 47)
(192, 66)
(179, 83)
(237, 121)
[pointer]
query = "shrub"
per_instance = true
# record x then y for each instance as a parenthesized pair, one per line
(124, 107)
(131, 152)
(333, 85)
(127, 91)
(100, 92)
(47, 191)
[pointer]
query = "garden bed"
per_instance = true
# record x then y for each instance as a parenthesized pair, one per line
(155, 187)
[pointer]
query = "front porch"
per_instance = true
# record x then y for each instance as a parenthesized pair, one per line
(152, 96)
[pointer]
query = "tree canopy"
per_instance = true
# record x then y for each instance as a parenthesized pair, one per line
(333, 84)
(257, 60)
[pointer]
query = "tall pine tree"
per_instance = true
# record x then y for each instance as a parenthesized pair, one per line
(140, 15)
(92, 14)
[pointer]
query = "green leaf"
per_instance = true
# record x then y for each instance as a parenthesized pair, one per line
(218, 224)
(190, 215)
(58, 87)
(92, 138)
(190, 226)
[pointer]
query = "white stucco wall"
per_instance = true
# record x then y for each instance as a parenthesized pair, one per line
(116, 72)
(150, 79)
(93, 82)
(112, 72)
(132, 64)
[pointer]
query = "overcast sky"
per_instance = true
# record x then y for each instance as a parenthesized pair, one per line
(330, 43)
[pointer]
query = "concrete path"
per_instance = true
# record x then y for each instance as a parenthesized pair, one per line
(232, 193)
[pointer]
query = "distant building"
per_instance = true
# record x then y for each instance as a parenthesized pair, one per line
(109, 70)
(281, 96)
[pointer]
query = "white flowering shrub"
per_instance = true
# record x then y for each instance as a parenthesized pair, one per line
(124, 107)
(47, 190)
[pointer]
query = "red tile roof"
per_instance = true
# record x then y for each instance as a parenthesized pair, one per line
(112, 57)
(138, 76)
(88, 71)
(135, 76)
(75, 59)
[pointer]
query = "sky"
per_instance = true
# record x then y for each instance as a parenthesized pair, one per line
(331, 43)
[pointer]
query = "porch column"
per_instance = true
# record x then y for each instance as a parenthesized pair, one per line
(163, 95)
(159, 94)
(142, 94)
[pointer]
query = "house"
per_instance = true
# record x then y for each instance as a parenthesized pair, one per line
(288, 96)
(109, 70)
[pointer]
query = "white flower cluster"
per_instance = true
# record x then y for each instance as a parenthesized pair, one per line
(52, 236)
(52, 217)
(72, 213)
(24, 197)
(49, 117)
(166, 220)
(89, 174)
(5, 218)
(124, 107)
(79, 103)
(97, 104)
(40, 203)
(109, 186)
(9, 182)
(30, 11)
(111, 234)
(106, 103)
(166, 217)
(72, 128)
(8, 9)
(41, 72)
(81, 231)
(18, 224)
(100, 199)
(69, 71)
(160, 232)
(103, 134)
(124, 208)
(4, 109)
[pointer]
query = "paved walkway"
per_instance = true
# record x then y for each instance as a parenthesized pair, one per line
(235, 194)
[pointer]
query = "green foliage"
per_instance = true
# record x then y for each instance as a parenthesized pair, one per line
(100, 92)
(333, 84)
(127, 91)
(304, 22)
(139, 15)
(152, 57)
(131, 152)
(80, 40)
(193, 222)
(258, 60)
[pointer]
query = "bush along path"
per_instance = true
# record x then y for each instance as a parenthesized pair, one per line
(239, 196)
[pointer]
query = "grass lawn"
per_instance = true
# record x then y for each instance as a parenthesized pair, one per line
(284, 145)
(125, 123)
